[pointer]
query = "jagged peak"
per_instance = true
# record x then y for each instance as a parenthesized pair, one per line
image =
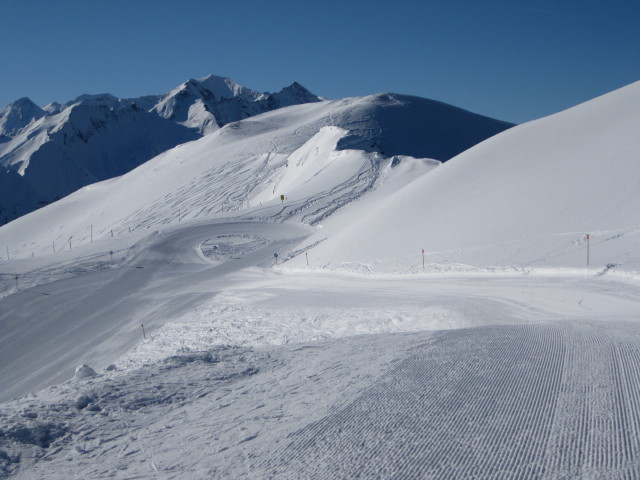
(292, 95)
(18, 114)
(224, 87)
(23, 102)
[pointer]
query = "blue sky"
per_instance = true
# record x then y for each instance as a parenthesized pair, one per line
(515, 60)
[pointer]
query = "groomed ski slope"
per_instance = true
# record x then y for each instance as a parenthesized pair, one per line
(273, 373)
(521, 377)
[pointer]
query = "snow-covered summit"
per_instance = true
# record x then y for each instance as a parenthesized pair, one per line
(294, 94)
(18, 115)
(208, 103)
(223, 87)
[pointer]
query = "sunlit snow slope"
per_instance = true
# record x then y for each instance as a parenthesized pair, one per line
(526, 197)
(320, 156)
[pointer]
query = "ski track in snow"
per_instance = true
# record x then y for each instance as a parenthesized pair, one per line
(534, 401)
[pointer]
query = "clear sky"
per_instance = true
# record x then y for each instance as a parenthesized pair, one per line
(515, 60)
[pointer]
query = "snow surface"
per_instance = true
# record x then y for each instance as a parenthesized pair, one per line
(524, 198)
(482, 364)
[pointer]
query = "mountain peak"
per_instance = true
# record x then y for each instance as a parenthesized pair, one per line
(210, 102)
(23, 102)
(294, 94)
(19, 114)
(223, 87)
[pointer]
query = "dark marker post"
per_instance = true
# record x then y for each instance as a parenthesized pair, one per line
(587, 238)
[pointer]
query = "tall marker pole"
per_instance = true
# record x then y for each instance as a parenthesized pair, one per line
(423, 259)
(588, 237)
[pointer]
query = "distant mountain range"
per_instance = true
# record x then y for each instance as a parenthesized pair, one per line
(50, 152)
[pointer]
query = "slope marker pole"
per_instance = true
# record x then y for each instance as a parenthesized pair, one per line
(144, 336)
(587, 238)
(423, 259)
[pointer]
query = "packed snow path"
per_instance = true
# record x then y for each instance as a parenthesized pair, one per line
(549, 400)
(96, 318)
(532, 401)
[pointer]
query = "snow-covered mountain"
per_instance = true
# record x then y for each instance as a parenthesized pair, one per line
(209, 103)
(320, 155)
(18, 115)
(50, 152)
(526, 197)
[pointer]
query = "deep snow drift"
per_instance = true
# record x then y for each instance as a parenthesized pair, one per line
(505, 357)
